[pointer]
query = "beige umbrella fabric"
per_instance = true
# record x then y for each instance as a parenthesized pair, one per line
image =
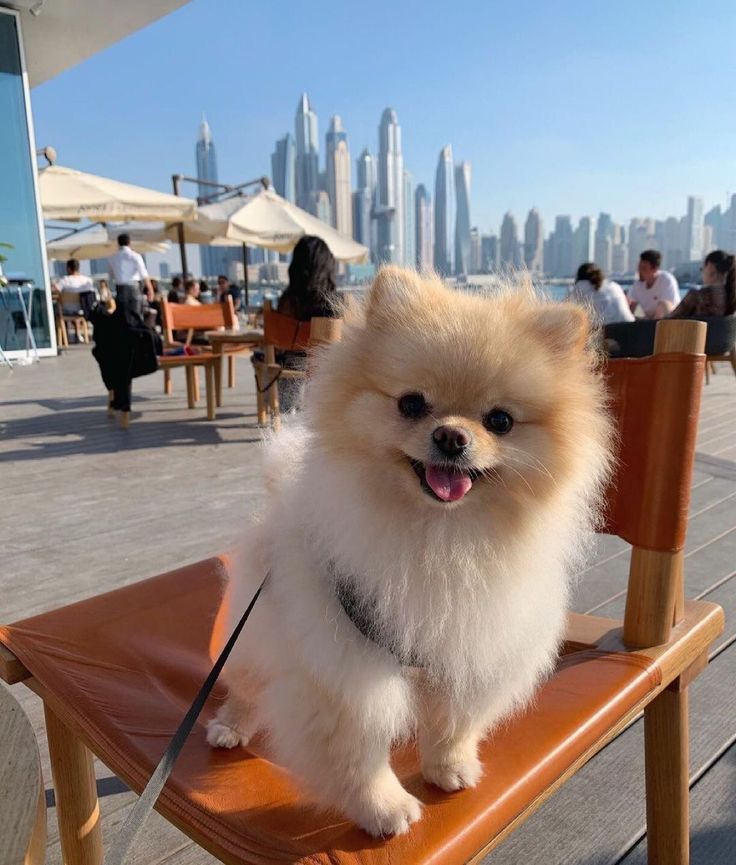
(73, 195)
(101, 242)
(266, 219)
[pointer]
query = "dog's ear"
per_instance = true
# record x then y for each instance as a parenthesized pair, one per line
(565, 327)
(394, 291)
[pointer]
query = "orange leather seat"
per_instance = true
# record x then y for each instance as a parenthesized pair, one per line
(121, 669)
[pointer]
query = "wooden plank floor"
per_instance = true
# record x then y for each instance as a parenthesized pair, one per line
(87, 507)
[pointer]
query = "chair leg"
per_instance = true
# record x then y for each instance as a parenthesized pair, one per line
(732, 356)
(209, 384)
(77, 808)
(666, 751)
(85, 328)
(260, 399)
(708, 367)
(167, 381)
(189, 372)
(231, 371)
(273, 403)
(195, 380)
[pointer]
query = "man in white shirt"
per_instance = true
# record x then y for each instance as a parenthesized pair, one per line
(128, 271)
(656, 291)
(72, 286)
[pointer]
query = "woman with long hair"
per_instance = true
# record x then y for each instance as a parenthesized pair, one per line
(718, 293)
(311, 290)
(605, 298)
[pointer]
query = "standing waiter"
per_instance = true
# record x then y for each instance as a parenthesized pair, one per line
(128, 271)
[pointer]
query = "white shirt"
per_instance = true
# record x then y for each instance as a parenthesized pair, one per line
(127, 267)
(608, 302)
(71, 286)
(664, 288)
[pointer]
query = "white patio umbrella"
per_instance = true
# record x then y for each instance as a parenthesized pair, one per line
(73, 195)
(100, 241)
(265, 219)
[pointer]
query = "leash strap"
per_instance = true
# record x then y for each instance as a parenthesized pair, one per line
(143, 807)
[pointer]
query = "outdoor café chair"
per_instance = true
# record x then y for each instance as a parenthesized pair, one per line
(283, 333)
(117, 672)
(199, 319)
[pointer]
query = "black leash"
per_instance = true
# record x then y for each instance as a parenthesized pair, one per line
(143, 807)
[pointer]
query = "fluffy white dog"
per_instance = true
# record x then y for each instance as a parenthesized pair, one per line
(422, 523)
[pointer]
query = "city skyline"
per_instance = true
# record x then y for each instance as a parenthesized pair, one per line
(522, 106)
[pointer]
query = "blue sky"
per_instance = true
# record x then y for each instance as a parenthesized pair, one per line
(572, 107)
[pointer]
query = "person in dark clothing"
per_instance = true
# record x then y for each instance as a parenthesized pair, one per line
(311, 292)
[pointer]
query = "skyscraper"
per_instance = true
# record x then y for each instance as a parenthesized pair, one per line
(604, 242)
(489, 253)
(390, 190)
(423, 225)
(444, 214)
(641, 237)
(206, 170)
(582, 242)
(462, 218)
(283, 167)
(561, 248)
(410, 253)
(364, 224)
(338, 176)
(694, 230)
(509, 257)
(534, 242)
(476, 252)
(307, 156)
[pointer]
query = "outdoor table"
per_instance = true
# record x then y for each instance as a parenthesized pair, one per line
(22, 794)
(219, 339)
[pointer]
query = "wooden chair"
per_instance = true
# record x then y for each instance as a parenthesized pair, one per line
(284, 333)
(116, 676)
(22, 793)
(198, 319)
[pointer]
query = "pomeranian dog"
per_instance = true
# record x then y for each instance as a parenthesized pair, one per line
(422, 524)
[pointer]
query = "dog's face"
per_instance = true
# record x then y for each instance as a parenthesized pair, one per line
(451, 400)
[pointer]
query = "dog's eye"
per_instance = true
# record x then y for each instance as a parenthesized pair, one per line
(413, 406)
(498, 421)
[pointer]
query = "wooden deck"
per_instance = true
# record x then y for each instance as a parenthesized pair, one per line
(87, 507)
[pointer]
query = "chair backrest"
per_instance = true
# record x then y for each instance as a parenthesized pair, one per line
(636, 338)
(655, 401)
(284, 332)
(206, 316)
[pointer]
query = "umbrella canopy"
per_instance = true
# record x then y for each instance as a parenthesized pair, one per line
(268, 220)
(69, 194)
(100, 241)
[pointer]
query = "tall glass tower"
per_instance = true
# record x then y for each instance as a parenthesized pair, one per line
(462, 219)
(534, 242)
(338, 176)
(206, 170)
(423, 227)
(283, 167)
(444, 214)
(390, 190)
(307, 156)
(410, 254)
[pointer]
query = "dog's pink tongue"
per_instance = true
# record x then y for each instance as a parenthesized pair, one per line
(447, 485)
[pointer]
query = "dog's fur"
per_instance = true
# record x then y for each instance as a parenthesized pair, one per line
(476, 588)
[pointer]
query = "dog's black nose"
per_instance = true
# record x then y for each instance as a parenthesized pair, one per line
(451, 440)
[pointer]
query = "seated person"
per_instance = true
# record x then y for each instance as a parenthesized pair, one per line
(718, 293)
(656, 291)
(311, 292)
(72, 287)
(192, 291)
(605, 298)
(224, 287)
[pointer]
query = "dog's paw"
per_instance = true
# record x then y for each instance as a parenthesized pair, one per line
(221, 735)
(454, 775)
(390, 816)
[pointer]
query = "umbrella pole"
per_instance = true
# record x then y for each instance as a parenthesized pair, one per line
(245, 278)
(176, 180)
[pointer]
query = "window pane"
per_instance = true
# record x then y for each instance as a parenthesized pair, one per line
(18, 215)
